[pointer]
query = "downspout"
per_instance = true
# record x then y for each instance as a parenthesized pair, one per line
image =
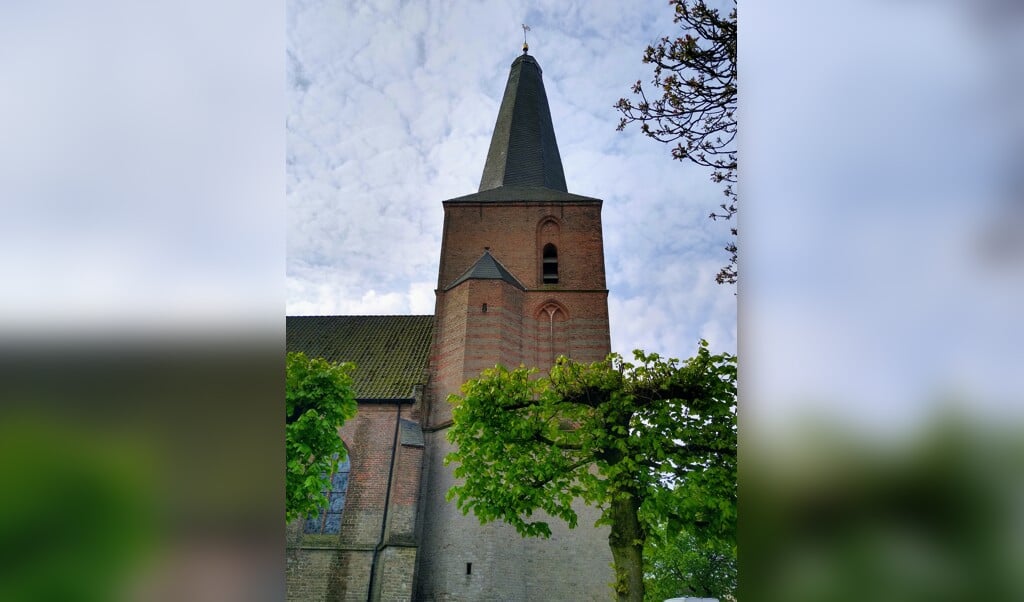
(387, 502)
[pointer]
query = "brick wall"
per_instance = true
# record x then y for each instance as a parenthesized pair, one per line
(451, 540)
(405, 493)
(571, 565)
(516, 235)
(338, 567)
(528, 327)
(518, 327)
(327, 574)
(447, 351)
(396, 566)
(532, 327)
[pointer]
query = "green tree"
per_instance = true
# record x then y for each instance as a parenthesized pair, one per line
(681, 564)
(653, 440)
(318, 399)
(695, 75)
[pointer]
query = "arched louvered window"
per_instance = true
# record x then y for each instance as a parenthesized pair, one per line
(329, 520)
(550, 264)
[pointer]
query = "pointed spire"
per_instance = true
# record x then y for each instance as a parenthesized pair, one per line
(523, 149)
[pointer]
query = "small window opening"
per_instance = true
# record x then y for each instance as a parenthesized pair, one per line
(469, 568)
(484, 308)
(550, 264)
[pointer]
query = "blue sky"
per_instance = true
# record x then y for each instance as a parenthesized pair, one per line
(390, 111)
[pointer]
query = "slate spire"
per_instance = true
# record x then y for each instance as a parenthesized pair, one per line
(523, 149)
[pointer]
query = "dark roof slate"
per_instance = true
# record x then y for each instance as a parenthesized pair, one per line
(487, 268)
(523, 149)
(390, 352)
(411, 434)
(522, 193)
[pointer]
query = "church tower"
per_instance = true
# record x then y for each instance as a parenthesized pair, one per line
(521, 281)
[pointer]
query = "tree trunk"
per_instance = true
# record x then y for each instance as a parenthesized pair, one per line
(626, 542)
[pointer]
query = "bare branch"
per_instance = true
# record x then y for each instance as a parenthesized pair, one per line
(696, 76)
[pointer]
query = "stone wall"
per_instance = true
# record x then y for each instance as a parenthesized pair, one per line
(572, 565)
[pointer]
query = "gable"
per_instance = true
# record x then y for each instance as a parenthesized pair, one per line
(487, 268)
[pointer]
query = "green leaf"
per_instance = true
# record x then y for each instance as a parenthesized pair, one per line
(319, 398)
(658, 431)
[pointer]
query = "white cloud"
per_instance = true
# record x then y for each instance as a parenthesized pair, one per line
(397, 116)
(141, 165)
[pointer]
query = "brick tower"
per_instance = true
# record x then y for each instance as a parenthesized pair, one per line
(521, 281)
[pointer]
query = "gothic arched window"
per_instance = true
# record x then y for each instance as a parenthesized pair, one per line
(549, 261)
(328, 522)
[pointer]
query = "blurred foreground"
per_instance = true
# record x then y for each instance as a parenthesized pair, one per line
(135, 471)
(833, 515)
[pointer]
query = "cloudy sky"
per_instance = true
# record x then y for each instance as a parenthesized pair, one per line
(390, 111)
(883, 150)
(146, 181)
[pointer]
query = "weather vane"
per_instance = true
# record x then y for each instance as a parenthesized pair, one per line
(526, 46)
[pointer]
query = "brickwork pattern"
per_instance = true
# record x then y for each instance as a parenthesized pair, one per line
(396, 575)
(571, 565)
(405, 493)
(338, 567)
(369, 436)
(480, 323)
(514, 232)
(483, 322)
(328, 575)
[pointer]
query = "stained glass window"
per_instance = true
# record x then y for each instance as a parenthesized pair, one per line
(329, 520)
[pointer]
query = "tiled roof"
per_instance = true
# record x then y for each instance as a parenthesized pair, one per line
(487, 268)
(390, 352)
(523, 149)
(522, 193)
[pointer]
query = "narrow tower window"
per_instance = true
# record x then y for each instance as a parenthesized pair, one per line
(550, 264)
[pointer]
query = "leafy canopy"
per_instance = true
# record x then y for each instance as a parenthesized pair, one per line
(319, 398)
(655, 437)
(681, 564)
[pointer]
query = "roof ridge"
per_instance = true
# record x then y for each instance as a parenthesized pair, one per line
(521, 193)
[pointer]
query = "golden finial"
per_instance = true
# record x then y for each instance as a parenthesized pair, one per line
(526, 46)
